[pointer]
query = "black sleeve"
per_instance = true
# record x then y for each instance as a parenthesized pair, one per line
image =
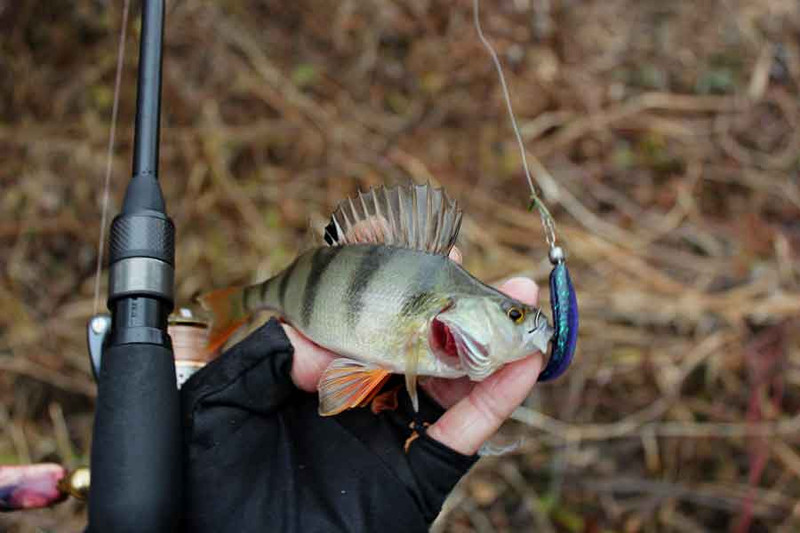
(260, 458)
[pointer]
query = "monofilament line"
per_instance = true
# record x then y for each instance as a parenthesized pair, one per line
(110, 154)
(547, 220)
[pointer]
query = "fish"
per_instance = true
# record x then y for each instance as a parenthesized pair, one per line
(382, 292)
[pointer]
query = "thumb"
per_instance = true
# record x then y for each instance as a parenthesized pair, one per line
(477, 416)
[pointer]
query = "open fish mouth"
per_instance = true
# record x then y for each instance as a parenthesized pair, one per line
(456, 347)
(444, 343)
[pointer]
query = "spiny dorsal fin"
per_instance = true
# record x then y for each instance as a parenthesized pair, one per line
(411, 216)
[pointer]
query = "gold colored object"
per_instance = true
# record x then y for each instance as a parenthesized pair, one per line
(76, 483)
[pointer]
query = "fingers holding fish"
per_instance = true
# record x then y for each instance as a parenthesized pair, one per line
(455, 255)
(523, 289)
(476, 417)
(309, 360)
(479, 409)
(447, 392)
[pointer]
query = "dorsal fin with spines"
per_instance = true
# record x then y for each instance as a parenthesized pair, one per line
(418, 217)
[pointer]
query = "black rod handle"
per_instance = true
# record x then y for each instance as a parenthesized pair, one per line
(136, 468)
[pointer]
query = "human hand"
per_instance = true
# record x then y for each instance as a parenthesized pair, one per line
(475, 411)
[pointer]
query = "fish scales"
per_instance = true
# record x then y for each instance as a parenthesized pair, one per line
(321, 261)
(283, 284)
(352, 299)
(374, 258)
(294, 290)
(386, 324)
(380, 301)
(330, 288)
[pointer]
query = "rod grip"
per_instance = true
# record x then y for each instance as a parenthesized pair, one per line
(136, 461)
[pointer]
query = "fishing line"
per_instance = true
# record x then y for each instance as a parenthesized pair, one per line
(563, 300)
(110, 155)
(536, 200)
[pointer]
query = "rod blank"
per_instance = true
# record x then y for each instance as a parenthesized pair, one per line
(148, 104)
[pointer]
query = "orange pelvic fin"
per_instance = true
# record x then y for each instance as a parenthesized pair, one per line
(348, 383)
(228, 311)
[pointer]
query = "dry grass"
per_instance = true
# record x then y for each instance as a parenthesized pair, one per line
(670, 134)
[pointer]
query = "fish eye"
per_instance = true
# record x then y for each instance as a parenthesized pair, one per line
(516, 314)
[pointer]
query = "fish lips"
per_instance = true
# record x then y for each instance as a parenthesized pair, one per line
(539, 337)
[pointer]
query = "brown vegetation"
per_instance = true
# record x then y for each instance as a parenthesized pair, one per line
(669, 134)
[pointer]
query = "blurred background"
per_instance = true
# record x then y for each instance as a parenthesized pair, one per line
(670, 156)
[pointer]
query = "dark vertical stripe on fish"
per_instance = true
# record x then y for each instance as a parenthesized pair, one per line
(415, 303)
(319, 263)
(250, 294)
(374, 258)
(284, 284)
(420, 291)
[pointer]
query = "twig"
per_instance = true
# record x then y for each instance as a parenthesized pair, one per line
(24, 367)
(638, 104)
(65, 449)
(529, 497)
(722, 498)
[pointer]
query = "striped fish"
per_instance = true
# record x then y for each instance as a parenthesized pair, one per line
(385, 296)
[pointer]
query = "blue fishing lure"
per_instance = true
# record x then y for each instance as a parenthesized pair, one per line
(564, 304)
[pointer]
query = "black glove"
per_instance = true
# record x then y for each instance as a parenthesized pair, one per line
(260, 458)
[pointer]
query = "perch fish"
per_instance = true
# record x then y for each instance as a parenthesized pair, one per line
(384, 294)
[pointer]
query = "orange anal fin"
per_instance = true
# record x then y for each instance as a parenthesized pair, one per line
(347, 383)
(385, 401)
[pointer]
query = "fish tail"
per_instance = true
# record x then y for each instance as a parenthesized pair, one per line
(227, 307)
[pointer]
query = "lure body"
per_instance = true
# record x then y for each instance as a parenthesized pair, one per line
(385, 295)
(564, 303)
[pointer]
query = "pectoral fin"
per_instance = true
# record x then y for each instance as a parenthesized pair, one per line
(348, 383)
(411, 386)
(412, 361)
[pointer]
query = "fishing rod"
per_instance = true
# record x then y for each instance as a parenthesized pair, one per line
(136, 447)
(136, 463)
